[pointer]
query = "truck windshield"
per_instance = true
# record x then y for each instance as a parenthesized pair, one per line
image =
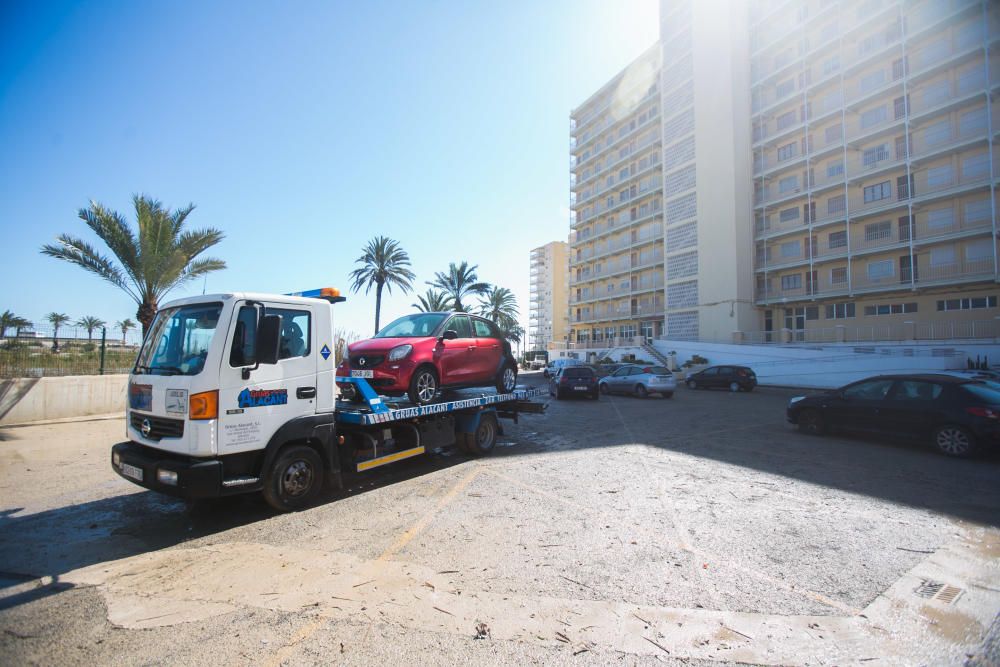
(178, 341)
(412, 326)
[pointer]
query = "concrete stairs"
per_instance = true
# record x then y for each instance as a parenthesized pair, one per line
(663, 359)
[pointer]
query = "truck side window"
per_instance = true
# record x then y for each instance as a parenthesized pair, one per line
(244, 338)
(295, 332)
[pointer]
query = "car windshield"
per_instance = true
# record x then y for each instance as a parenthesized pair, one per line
(178, 341)
(657, 370)
(417, 325)
(578, 372)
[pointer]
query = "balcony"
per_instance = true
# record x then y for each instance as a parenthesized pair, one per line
(617, 292)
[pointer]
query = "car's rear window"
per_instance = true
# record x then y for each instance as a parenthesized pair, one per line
(578, 372)
(658, 370)
(987, 393)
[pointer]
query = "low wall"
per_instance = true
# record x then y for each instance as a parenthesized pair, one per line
(34, 399)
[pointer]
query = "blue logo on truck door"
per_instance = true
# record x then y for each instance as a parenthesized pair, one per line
(256, 398)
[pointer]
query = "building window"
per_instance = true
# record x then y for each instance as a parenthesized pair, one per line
(812, 312)
(899, 107)
(834, 169)
(899, 68)
(873, 117)
(977, 211)
(831, 65)
(871, 81)
(791, 282)
(789, 214)
(880, 269)
(905, 226)
(838, 275)
(938, 133)
(784, 88)
(788, 184)
(878, 192)
(975, 166)
(972, 122)
(836, 204)
(942, 256)
(978, 251)
(874, 155)
(786, 152)
(840, 311)
(940, 218)
(791, 249)
(890, 309)
(901, 151)
(833, 133)
(939, 177)
(904, 189)
(877, 231)
(838, 239)
(968, 303)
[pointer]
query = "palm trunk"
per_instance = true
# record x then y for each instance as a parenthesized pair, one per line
(146, 314)
(378, 304)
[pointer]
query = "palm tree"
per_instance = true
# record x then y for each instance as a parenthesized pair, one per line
(150, 264)
(499, 305)
(9, 320)
(432, 302)
(90, 323)
(56, 320)
(460, 281)
(125, 325)
(383, 264)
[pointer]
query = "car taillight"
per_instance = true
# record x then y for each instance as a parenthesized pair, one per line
(987, 413)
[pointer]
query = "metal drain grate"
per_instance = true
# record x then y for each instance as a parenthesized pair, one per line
(937, 590)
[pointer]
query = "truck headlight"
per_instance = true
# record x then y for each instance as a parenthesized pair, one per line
(399, 352)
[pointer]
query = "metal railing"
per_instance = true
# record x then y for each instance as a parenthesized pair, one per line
(38, 353)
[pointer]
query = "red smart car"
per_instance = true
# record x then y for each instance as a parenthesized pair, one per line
(421, 353)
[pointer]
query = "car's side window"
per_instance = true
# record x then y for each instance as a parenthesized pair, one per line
(244, 337)
(294, 332)
(634, 370)
(711, 371)
(873, 390)
(725, 370)
(916, 390)
(482, 329)
(621, 372)
(460, 323)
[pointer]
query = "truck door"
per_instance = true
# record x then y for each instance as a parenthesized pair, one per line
(251, 410)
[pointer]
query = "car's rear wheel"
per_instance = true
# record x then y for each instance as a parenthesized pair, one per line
(640, 391)
(954, 440)
(294, 480)
(811, 422)
(507, 379)
(604, 388)
(423, 385)
(734, 387)
(692, 384)
(559, 394)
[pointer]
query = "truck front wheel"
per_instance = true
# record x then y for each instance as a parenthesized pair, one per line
(482, 440)
(294, 480)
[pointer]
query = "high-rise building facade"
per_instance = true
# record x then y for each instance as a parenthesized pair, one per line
(547, 314)
(822, 162)
(874, 164)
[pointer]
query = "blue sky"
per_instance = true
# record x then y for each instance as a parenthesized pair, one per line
(301, 130)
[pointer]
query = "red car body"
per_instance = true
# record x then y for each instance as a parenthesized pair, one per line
(457, 350)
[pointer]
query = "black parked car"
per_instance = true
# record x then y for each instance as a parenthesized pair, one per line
(733, 378)
(574, 380)
(959, 415)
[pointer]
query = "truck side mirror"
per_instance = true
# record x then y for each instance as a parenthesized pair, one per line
(268, 339)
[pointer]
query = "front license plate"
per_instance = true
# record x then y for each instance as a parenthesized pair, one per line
(580, 388)
(362, 374)
(132, 471)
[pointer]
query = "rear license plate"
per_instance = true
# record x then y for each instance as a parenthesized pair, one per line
(578, 388)
(362, 374)
(132, 471)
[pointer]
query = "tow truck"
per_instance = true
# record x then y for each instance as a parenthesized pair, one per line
(237, 393)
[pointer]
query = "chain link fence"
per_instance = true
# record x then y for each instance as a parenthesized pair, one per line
(40, 353)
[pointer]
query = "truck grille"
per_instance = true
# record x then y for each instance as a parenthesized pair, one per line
(159, 427)
(371, 360)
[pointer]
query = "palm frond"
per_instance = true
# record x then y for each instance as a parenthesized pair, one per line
(81, 253)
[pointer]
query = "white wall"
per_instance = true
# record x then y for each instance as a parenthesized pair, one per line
(823, 366)
(35, 399)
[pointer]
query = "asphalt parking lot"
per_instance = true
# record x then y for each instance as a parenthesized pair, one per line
(696, 530)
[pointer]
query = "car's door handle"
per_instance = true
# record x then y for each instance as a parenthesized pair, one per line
(472, 347)
(305, 392)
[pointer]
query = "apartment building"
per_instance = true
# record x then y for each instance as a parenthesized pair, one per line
(828, 171)
(873, 129)
(547, 307)
(616, 262)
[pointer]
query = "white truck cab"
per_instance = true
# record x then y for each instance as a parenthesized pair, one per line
(235, 393)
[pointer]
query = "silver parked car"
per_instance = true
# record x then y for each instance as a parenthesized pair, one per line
(640, 381)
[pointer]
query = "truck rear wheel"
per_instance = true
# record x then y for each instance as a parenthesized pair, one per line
(483, 439)
(294, 480)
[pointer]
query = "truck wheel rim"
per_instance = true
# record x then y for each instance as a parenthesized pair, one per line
(953, 440)
(484, 434)
(509, 379)
(297, 478)
(426, 386)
